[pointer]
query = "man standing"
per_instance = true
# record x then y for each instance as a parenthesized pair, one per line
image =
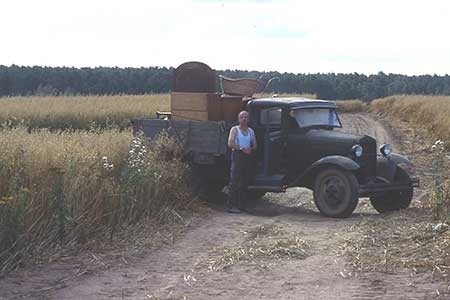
(242, 141)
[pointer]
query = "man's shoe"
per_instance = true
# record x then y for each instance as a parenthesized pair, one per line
(234, 210)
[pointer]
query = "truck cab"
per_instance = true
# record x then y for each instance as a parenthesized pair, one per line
(293, 133)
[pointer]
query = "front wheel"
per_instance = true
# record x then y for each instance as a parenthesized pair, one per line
(336, 193)
(395, 200)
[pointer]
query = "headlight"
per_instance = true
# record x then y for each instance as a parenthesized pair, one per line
(357, 150)
(386, 150)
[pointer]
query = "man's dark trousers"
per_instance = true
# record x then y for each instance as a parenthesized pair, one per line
(241, 172)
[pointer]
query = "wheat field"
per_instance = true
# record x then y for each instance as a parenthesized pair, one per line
(79, 112)
(80, 183)
(86, 112)
(70, 168)
(430, 112)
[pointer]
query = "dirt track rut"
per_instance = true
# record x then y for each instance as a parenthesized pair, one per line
(180, 271)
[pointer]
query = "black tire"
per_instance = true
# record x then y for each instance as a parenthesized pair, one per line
(202, 187)
(336, 192)
(206, 190)
(255, 195)
(395, 200)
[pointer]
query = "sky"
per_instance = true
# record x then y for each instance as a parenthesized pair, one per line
(345, 36)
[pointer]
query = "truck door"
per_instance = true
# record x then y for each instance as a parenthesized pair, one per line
(297, 148)
(297, 152)
(271, 141)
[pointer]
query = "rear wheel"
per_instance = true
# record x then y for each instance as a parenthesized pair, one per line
(255, 195)
(201, 186)
(336, 193)
(395, 200)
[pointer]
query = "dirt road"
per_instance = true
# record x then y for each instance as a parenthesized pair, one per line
(281, 249)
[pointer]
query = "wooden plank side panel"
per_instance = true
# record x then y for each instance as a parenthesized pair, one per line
(231, 106)
(189, 115)
(189, 101)
(150, 127)
(188, 106)
(201, 137)
(204, 137)
(215, 107)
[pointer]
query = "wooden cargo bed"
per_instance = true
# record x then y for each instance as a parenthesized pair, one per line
(197, 138)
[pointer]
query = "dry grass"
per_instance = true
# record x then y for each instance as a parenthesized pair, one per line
(91, 112)
(348, 106)
(269, 95)
(79, 112)
(402, 240)
(440, 201)
(66, 187)
(351, 106)
(415, 239)
(430, 112)
(261, 243)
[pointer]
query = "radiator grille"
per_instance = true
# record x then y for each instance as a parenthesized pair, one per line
(368, 161)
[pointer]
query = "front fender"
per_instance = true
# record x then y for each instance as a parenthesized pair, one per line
(305, 179)
(386, 167)
(337, 160)
(400, 159)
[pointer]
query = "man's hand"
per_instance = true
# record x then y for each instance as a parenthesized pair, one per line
(247, 150)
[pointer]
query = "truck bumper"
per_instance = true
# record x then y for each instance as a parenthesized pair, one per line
(371, 189)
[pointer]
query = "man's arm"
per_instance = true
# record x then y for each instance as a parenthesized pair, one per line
(254, 145)
(232, 139)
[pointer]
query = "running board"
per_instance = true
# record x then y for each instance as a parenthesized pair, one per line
(266, 188)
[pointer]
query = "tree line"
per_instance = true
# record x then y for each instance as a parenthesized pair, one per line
(22, 80)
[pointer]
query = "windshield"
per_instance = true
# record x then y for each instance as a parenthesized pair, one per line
(316, 117)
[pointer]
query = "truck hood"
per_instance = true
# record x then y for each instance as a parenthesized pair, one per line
(329, 141)
(337, 137)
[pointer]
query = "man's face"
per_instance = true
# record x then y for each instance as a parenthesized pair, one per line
(243, 118)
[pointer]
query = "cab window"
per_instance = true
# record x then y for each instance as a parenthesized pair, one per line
(307, 117)
(270, 116)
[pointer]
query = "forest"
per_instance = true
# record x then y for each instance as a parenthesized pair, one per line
(43, 81)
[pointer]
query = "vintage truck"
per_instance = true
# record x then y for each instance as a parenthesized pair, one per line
(297, 147)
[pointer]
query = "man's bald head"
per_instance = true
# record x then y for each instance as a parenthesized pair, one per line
(243, 118)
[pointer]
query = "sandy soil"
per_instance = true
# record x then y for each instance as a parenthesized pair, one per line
(182, 270)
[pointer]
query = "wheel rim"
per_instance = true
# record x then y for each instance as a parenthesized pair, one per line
(333, 191)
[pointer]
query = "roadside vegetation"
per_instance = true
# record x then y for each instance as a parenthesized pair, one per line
(79, 112)
(430, 112)
(282, 95)
(351, 106)
(66, 188)
(418, 238)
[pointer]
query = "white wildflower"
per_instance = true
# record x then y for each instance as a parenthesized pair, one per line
(441, 227)
(106, 164)
(136, 159)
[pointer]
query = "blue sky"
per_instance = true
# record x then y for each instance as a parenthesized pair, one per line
(409, 37)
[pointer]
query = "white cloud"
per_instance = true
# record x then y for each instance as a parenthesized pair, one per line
(293, 36)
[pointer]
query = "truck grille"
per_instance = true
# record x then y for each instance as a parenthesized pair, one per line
(368, 161)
